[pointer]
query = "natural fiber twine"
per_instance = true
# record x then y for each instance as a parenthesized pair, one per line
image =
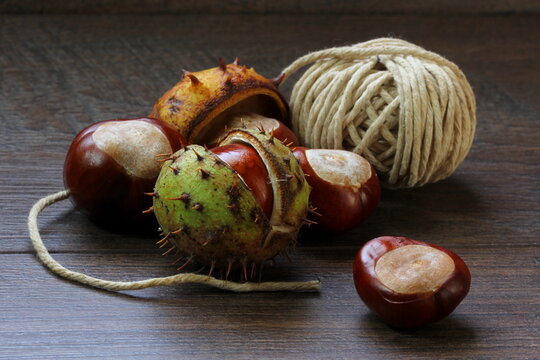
(57, 268)
(409, 111)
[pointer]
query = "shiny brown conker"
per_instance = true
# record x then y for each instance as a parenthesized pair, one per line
(111, 164)
(345, 187)
(409, 283)
(249, 165)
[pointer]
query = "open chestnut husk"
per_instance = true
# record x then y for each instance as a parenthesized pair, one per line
(202, 104)
(409, 283)
(210, 214)
(111, 164)
(345, 187)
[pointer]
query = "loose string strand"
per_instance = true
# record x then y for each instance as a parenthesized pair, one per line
(44, 255)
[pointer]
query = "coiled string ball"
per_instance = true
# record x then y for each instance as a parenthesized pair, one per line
(409, 111)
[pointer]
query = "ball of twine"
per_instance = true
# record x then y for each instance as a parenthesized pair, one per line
(409, 111)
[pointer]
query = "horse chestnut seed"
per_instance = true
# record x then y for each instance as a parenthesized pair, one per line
(255, 121)
(112, 163)
(409, 283)
(345, 187)
(248, 164)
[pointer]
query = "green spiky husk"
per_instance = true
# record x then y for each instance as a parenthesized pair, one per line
(207, 212)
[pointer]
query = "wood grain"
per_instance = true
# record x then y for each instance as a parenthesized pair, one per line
(60, 73)
(55, 318)
(267, 7)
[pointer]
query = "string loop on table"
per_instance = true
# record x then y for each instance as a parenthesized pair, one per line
(57, 268)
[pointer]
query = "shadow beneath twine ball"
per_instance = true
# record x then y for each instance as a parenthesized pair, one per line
(449, 196)
(427, 213)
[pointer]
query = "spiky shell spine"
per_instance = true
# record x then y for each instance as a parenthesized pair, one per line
(195, 105)
(208, 214)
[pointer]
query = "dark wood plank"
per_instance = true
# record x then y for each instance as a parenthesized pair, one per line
(266, 7)
(51, 318)
(61, 73)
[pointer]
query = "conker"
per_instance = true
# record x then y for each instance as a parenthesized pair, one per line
(409, 283)
(345, 187)
(112, 163)
(257, 122)
(249, 165)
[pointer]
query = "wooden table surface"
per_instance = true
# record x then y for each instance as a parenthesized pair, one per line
(60, 73)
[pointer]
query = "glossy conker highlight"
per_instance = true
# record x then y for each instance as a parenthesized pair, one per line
(248, 164)
(409, 283)
(112, 163)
